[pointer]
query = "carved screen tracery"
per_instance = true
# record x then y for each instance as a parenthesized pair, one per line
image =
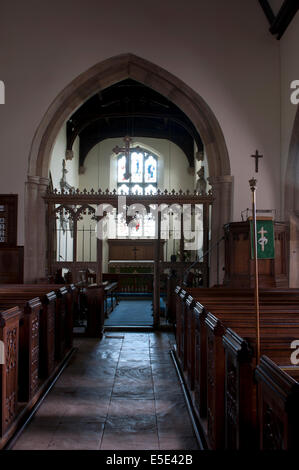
(75, 245)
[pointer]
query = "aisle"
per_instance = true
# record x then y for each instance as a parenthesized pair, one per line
(121, 393)
(131, 313)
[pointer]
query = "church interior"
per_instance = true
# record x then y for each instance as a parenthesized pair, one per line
(149, 225)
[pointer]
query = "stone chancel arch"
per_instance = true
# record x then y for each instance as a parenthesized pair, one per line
(97, 78)
(292, 202)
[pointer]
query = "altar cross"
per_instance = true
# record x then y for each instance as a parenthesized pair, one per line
(256, 156)
(127, 151)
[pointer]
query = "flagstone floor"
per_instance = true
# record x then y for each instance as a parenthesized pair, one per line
(118, 394)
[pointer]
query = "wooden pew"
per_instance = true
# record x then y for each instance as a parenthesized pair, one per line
(39, 318)
(29, 341)
(95, 314)
(227, 376)
(200, 363)
(278, 405)
(9, 334)
(215, 383)
(181, 328)
(93, 295)
(47, 334)
(65, 301)
(279, 349)
(90, 302)
(73, 306)
(239, 394)
(110, 294)
(275, 342)
(178, 307)
(56, 318)
(189, 340)
(219, 307)
(29, 355)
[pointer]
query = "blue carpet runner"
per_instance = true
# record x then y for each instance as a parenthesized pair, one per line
(131, 313)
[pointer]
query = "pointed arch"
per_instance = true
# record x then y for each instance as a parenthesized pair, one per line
(99, 77)
(291, 205)
(114, 70)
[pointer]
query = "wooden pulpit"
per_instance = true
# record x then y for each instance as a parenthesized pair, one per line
(239, 267)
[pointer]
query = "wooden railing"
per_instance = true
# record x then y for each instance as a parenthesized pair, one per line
(215, 341)
(131, 283)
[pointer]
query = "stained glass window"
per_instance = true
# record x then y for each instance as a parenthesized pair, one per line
(137, 189)
(150, 189)
(121, 164)
(150, 174)
(143, 169)
(123, 189)
(137, 167)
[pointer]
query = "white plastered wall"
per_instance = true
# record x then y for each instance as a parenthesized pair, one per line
(64, 239)
(222, 50)
(289, 73)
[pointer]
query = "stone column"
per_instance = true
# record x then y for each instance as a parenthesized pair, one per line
(221, 214)
(31, 229)
(294, 250)
(291, 212)
(294, 229)
(42, 229)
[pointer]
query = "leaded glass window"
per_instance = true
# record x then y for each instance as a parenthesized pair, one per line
(150, 174)
(143, 168)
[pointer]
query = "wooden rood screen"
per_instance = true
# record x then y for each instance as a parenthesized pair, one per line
(73, 217)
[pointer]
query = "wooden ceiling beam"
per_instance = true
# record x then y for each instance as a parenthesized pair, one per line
(267, 10)
(280, 22)
(283, 19)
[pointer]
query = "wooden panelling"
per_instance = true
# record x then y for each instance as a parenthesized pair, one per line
(8, 219)
(133, 250)
(11, 265)
(9, 334)
(239, 267)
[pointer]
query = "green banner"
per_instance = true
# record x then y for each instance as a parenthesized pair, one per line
(265, 239)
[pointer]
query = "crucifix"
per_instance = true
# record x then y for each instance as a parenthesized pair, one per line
(127, 151)
(256, 156)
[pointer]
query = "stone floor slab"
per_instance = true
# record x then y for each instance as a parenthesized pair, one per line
(118, 394)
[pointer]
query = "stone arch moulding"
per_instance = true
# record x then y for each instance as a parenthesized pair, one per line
(291, 205)
(98, 77)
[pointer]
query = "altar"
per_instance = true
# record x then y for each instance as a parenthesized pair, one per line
(133, 255)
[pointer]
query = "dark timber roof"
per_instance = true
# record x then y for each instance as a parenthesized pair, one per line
(131, 108)
(280, 22)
